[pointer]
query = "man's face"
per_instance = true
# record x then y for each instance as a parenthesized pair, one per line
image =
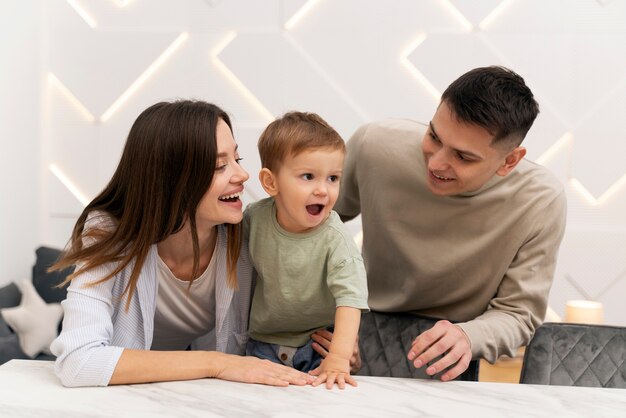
(459, 156)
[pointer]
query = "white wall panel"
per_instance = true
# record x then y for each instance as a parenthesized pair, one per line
(21, 212)
(299, 82)
(349, 60)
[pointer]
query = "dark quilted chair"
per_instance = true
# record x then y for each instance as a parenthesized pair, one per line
(576, 355)
(384, 341)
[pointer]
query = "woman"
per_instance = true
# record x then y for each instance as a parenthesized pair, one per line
(160, 265)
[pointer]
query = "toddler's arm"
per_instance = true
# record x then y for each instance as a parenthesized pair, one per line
(335, 368)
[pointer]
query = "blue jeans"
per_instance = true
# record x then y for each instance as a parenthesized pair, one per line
(301, 358)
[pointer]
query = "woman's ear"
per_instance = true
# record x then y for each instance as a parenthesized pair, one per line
(268, 181)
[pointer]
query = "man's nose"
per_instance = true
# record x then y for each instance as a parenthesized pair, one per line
(438, 161)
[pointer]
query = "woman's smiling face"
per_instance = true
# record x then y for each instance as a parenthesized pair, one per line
(222, 202)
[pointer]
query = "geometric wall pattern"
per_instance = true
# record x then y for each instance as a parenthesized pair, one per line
(351, 61)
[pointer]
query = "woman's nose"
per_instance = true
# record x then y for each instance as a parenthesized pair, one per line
(240, 175)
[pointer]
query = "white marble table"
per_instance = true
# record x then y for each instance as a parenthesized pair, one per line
(30, 389)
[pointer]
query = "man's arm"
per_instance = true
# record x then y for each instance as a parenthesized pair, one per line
(513, 314)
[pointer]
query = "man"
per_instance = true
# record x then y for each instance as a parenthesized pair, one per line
(456, 223)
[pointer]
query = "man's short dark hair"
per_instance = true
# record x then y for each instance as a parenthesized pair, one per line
(496, 99)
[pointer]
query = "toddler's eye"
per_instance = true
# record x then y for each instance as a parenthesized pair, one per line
(307, 176)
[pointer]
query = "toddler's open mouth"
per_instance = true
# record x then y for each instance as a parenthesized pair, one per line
(314, 209)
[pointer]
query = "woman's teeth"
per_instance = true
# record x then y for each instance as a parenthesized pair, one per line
(231, 196)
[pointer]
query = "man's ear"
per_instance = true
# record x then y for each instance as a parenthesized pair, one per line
(511, 160)
(268, 181)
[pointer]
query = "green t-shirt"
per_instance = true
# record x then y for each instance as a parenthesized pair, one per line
(302, 278)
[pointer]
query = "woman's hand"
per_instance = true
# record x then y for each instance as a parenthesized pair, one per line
(321, 345)
(254, 370)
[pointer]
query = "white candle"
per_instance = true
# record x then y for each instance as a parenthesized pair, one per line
(584, 312)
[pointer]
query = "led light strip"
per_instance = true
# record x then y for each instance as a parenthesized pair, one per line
(52, 79)
(68, 184)
(495, 13)
(565, 140)
(230, 36)
(404, 60)
(606, 196)
(144, 76)
(297, 16)
(82, 13)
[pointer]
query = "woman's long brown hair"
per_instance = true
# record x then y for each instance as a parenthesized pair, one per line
(166, 167)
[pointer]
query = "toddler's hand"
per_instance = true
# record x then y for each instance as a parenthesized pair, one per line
(333, 369)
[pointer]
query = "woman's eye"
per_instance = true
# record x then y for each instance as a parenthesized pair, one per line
(238, 160)
(433, 137)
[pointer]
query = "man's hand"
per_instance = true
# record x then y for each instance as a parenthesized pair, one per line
(447, 339)
(321, 345)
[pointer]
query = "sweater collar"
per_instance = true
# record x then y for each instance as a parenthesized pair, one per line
(494, 180)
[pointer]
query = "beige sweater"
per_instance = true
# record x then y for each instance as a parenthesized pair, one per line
(485, 259)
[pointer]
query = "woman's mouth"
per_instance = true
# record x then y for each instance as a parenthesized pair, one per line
(234, 197)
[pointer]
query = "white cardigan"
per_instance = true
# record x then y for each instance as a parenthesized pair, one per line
(97, 328)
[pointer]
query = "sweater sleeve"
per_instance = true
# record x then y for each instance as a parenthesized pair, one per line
(348, 204)
(84, 354)
(520, 303)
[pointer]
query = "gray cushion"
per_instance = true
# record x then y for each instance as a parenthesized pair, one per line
(384, 341)
(5, 330)
(576, 355)
(45, 282)
(10, 345)
(10, 296)
(10, 349)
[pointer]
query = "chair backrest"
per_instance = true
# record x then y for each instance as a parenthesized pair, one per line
(576, 355)
(385, 340)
